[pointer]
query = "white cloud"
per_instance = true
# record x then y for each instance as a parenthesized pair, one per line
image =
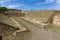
(46, 2)
(49, 1)
(58, 1)
(4, 1)
(14, 6)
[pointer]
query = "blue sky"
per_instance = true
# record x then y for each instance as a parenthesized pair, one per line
(32, 4)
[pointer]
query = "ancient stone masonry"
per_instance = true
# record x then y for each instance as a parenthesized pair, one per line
(55, 18)
(38, 16)
(6, 30)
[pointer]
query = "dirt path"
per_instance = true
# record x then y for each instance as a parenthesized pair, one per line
(38, 33)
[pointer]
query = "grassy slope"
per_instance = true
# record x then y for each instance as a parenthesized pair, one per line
(25, 35)
(39, 15)
(6, 20)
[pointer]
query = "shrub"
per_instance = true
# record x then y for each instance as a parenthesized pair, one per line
(3, 9)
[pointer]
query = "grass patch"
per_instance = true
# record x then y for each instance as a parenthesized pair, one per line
(52, 27)
(23, 35)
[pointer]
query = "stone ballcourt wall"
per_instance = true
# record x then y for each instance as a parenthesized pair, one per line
(56, 20)
(7, 20)
(38, 16)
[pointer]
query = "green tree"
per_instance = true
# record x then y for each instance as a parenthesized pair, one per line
(3, 9)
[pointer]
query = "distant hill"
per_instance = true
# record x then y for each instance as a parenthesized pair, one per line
(13, 12)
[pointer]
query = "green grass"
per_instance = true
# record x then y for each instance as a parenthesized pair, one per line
(52, 27)
(23, 35)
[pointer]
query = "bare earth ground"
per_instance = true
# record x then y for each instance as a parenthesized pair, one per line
(37, 33)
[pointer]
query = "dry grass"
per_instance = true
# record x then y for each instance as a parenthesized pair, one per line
(6, 19)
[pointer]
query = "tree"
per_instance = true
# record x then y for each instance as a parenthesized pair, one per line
(3, 9)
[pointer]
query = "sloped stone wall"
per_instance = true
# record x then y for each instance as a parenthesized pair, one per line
(38, 16)
(56, 20)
